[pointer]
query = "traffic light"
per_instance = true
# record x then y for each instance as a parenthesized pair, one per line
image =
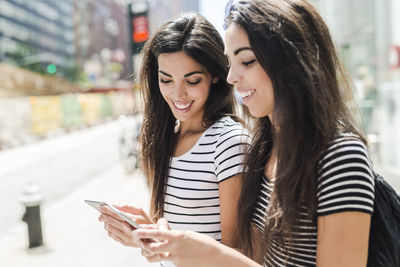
(51, 68)
(139, 25)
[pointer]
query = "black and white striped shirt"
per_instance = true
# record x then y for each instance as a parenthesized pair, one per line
(345, 183)
(192, 196)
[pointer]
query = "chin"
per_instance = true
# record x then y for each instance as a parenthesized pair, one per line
(255, 114)
(181, 118)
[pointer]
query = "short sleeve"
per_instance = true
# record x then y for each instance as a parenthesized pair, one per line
(345, 178)
(229, 152)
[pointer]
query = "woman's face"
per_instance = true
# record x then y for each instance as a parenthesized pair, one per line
(247, 74)
(184, 84)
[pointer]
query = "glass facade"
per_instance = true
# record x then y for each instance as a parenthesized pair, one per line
(45, 26)
(367, 36)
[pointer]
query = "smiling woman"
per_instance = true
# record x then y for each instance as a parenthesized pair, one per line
(192, 143)
(184, 87)
(247, 75)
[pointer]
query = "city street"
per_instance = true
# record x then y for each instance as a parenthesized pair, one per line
(58, 166)
(68, 169)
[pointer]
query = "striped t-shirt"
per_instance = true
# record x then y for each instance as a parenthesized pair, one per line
(192, 196)
(345, 183)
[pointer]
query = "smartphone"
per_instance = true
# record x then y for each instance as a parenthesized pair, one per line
(96, 205)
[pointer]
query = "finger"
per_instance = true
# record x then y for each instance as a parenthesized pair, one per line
(159, 247)
(155, 258)
(112, 230)
(117, 232)
(121, 237)
(135, 239)
(107, 211)
(129, 209)
(141, 241)
(145, 252)
(123, 226)
(148, 226)
(139, 219)
(154, 234)
(136, 211)
(146, 216)
(151, 257)
(163, 224)
(124, 242)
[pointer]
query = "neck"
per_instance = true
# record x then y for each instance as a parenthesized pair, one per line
(192, 126)
(271, 165)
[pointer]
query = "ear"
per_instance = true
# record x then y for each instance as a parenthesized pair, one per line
(215, 80)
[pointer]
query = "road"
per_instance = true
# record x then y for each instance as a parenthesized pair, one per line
(58, 166)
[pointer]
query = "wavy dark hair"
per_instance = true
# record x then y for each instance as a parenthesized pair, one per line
(294, 46)
(197, 38)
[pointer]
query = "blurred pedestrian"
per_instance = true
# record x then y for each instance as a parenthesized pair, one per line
(308, 192)
(192, 143)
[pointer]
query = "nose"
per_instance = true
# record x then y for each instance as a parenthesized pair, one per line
(233, 76)
(179, 92)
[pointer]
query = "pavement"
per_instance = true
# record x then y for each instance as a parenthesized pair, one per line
(72, 234)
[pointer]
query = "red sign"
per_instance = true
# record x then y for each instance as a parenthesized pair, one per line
(140, 29)
(394, 57)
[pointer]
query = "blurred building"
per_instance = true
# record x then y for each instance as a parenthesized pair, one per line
(37, 33)
(368, 38)
(102, 39)
(159, 12)
(163, 10)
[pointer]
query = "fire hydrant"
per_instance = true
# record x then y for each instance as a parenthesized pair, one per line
(31, 199)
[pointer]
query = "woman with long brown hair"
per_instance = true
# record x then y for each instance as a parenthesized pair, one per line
(308, 191)
(192, 144)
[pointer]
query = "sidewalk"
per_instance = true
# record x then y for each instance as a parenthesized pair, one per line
(72, 234)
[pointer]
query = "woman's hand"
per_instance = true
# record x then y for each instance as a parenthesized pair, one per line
(181, 247)
(187, 248)
(120, 230)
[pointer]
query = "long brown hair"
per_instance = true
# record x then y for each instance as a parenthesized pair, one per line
(294, 46)
(195, 36)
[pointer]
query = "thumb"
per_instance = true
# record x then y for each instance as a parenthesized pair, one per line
(163, 224)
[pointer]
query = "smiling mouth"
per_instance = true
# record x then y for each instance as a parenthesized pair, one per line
(248, 93)
(183, 106)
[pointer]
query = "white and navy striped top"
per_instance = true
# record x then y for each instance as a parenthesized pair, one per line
(345, 183)
(192, 196)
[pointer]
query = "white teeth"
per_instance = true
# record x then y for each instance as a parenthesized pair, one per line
(247, 93)
(183, 106)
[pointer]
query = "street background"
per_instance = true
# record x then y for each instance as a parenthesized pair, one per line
(72, 234)
(70, 111)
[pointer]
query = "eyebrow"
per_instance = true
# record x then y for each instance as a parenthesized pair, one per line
(186, 75)
(166, 74)
(193, 72)
(237, 51)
